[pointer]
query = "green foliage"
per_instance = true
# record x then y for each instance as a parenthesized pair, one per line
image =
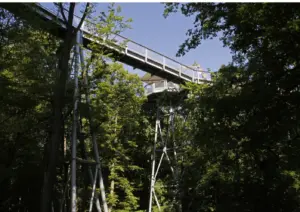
(117, 97)
(237, 138)
(26, 76)
(246, 122)
(28, 72)
(105, 29)
(117, 101)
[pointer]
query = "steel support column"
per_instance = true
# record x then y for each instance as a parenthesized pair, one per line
(153, 162)
(74, 130)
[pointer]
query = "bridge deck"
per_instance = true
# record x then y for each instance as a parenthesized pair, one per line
(133, 54)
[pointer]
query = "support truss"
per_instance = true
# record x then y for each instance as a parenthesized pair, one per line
(164, 142)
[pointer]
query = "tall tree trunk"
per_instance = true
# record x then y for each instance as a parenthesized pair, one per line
(57, 124)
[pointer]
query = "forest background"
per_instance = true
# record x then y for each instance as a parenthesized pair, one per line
(236, 137)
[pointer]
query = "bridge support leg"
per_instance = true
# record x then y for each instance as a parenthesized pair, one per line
(153, 163)
(74, 130)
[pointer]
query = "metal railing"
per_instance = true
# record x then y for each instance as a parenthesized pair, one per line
(144, 54)
(161, 86)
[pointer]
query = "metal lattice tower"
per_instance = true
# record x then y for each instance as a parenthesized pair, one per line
(165, 96)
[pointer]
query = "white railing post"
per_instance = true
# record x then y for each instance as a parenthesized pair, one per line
(193, 76)
(180, 70)
(164, 63)
(146, 55)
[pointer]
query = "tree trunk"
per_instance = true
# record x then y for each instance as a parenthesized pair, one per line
(57, 131)
(57, 124)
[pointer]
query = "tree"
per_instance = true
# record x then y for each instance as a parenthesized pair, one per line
(116, 104)
(29, 70)
(244, 142)
(27, 75)
(57, 132)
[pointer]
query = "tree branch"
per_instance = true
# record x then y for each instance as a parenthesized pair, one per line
(62, 12)
(83, 17)
(71, 15)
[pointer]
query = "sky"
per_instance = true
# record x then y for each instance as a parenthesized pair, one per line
(164, 35)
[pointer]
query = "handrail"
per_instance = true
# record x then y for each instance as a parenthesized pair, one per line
(164, 59)
(161, 86)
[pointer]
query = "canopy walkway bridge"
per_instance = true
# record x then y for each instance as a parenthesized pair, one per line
(133, 54)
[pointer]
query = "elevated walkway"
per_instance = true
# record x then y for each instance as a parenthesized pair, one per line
(133, 54)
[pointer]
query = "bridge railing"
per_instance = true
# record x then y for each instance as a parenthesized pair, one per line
(161, 86)
(143, 53)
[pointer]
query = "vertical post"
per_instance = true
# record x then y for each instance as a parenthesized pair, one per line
(153, 161)
(93, 190)
(101, 184)
(180, 70)
(172, 136)
(164, 63)
(193, 76)
(74, 130)
(153, 87)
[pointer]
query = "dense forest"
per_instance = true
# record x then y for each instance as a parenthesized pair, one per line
(236, 137)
